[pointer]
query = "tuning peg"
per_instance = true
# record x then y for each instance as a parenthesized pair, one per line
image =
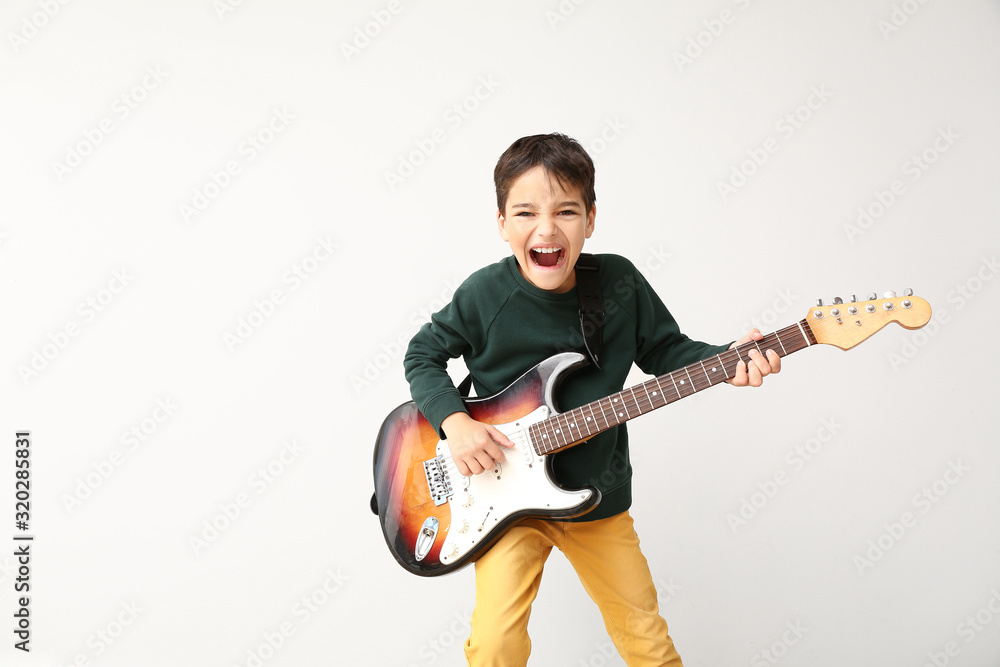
(837, 301)
(889, 295)
(907, 292)
(854, 298)
(872, 296)
(819, 302)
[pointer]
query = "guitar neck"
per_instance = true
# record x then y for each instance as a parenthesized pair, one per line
(571, 428)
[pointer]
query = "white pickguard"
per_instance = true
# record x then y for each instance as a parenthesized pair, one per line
(479, 503)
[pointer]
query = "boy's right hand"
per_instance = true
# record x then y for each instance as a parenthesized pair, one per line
(474, 446)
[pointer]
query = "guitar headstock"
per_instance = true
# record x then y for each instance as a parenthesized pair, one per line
(844, 325)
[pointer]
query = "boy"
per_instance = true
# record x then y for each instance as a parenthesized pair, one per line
(509, 316)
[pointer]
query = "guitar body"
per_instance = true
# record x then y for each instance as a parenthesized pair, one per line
(435, 520)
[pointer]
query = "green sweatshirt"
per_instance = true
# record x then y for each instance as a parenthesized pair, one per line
(503, 325)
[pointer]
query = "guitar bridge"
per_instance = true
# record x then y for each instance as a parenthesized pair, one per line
(438, 480)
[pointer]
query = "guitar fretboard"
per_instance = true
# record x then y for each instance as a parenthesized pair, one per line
(575, 426)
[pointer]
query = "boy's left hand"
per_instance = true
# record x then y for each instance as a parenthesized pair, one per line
(760, 364)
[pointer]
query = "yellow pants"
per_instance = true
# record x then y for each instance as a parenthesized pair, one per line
(606, 556)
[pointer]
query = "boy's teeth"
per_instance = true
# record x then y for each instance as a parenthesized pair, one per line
(546, 256)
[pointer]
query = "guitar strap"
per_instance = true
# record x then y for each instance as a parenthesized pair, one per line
(588, 291)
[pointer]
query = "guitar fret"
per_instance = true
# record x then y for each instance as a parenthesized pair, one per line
(554, 435)
(604, 416)
(676, 388)
(574, 425)
(731, 362)
(804, 336)
(536, 441)
(548, 436)
(693, 388)
(605, 407)
(618, 415)
(565, 430)
(722, 366)
(648, 399)
(659, 392)
(590, 419)
(599, 413)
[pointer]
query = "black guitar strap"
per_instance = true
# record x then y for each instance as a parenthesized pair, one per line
(588, 291)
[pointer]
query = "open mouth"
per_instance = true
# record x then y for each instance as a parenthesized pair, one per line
(547, 256)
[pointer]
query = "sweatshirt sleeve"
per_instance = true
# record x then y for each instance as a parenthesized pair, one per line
(444, 338)
(661, 347)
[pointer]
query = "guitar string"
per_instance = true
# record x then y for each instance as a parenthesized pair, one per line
(727, 357)
(518, 437)
(792, 333)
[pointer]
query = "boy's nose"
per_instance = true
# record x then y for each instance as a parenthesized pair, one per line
(547, 225)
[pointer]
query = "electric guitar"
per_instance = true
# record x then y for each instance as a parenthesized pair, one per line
(436, 521)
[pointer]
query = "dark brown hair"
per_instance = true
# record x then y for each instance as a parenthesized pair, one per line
(560, 156)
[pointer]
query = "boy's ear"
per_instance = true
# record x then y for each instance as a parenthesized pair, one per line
(591, 216)
(502, 226)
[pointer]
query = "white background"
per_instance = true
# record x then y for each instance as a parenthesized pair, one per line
(134, 275)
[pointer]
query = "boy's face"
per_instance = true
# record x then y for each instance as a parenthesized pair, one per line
(546, 227)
